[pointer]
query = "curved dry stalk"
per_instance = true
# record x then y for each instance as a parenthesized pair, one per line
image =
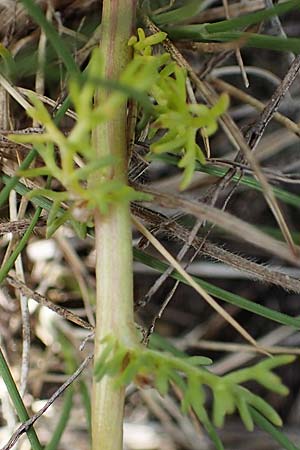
(231, 362)
(228, 222)
(235, 347)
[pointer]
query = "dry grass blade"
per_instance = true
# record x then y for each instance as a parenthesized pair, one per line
(47, 101)
(173, 262)
(234, 347)
(237, 51)
(228, 297)
(235, 360)
(14, 93)
(228, 222)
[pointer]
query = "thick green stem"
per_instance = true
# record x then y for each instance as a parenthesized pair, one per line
(114, 310)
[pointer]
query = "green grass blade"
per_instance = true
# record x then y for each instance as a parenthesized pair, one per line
(281, 194)
(219, 293)
(274, 232)
(52, 35)
(253, 40)
(20, 246)
(41, 202)
(181, 14)
(252, 18)
(160, 266)
(158, 342)
(17, 401)
(21, 189)
(11, 182)
(209, 426)
(277, 435)
(71, 366)
(63, 420)
(86, 400)
(238, 22)
(250, 40)
(60, 113)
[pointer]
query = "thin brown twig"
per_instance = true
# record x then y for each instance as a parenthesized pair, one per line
(270, 174)
(211, 198)
(246, 150)
(275, 20)
(19, 226)
(63, 312)
(209, 47)
(23, 428)
(256, 271)
(253, 137)
(257, 130)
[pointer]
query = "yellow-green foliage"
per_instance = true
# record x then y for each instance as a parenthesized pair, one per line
(159, 369)
(179, 119)
(147, 75)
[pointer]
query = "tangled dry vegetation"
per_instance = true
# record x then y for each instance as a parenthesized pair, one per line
(229, 228)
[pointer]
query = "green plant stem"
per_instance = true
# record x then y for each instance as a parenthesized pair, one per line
(278, 435)
(63, 420)
(221, 294)
(114, 303)
(17, 401)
